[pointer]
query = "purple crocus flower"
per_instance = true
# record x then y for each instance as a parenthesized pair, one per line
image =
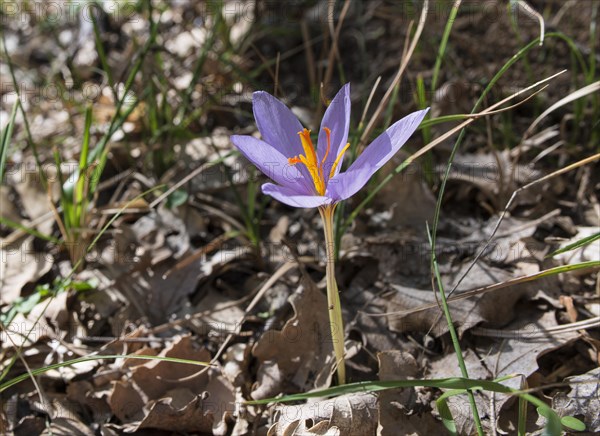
(309, 177)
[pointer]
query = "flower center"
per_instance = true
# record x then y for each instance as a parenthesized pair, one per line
(309, 159)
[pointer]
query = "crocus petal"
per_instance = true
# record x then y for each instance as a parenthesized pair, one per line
(292, 197)
(268, 160)
(277, 124)
(337, 119)
(380, 151)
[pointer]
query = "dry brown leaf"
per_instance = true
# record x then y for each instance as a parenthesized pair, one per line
(42, 321)
(299, 356)
(32, 194)
(148, 277)
(403, 411)
(269, 380)
(85, 394)
(55, 415)
(406, 198)
(184, 411)
(126, 402)
(7, 206)
(518, 354)
(348, 415)
(279, 230)
(67, 426)
(397, 364)
(493, 357)
(235, 363)
(299, 428)
(447, 366)
(221, 317)
(19, 266)
(179, 411)
(506, 257)
(492, 177)
(495, 308)
(30, 425)
(583, 401)
(156, 376)
(173, 396)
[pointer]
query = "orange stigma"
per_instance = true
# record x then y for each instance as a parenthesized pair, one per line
(309, 159)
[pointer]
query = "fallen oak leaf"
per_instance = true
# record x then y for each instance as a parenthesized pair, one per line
(348, 415)
(300, 353)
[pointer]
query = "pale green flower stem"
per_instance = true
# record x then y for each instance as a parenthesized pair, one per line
(333, 297)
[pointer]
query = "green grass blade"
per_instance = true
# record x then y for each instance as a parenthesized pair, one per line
(454, 336)
(249, 227)
(572, 423)
(444, 42)
(553, 426)
(389, 110)
(100, 152)
(575, 245)
(5, 140)
(101, 52)
(80, 194)
(513, 282)
(454, 383)
(593, 42)
(568, 268)
(29, 230)
(436, 217)
(376, 386)
(522, 408)
(44, 369)
(519, 55)
(446, 415)
(507, 65)
(422, 103)
(457, 383)
(199, 65)
(30, 141)
(443, 119)
(66, 200)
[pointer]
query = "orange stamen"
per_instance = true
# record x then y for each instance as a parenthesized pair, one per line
(307, 145)
(309, 159)
(337, 160)
(328, 133)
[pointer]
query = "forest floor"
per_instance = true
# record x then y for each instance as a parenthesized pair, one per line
(130, 226)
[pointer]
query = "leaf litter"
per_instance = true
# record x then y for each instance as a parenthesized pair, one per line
(162, 281)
